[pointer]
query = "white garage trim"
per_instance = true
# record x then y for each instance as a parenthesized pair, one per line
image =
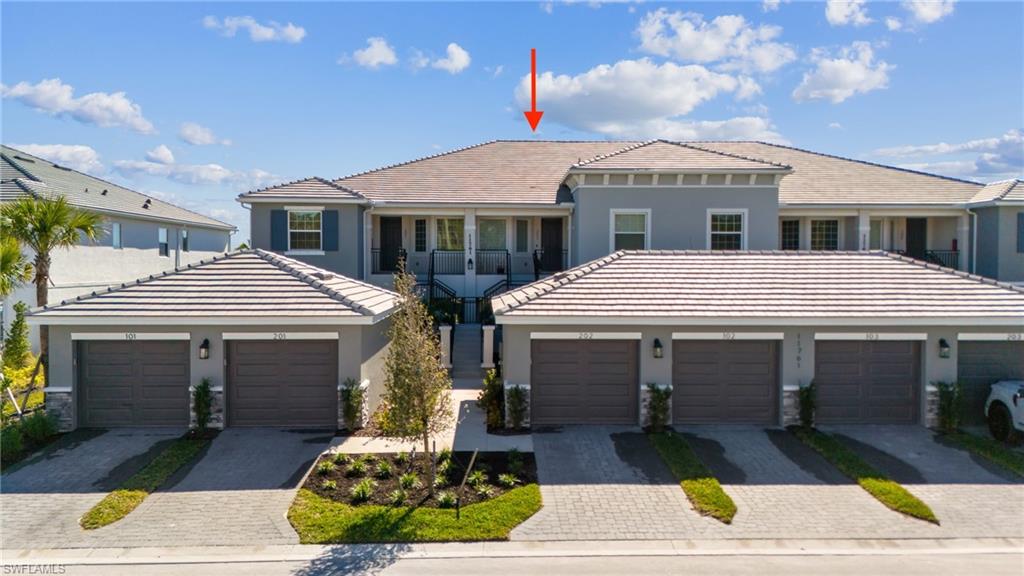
(34, 320)
(704, 321)
(280, 336)
(586, 336)
(990, 337)
(131, 336)
(57, 390)
(728, 336)
(870, 336)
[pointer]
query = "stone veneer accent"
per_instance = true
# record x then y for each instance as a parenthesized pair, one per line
(645, 395)
(526, 419)
(790, 405)
(216, 407)
(931, 406)
(364, 414)
(62, 406)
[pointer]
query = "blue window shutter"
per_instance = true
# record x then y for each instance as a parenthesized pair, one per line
(1020, 232)
(330, 230)
(279, 230)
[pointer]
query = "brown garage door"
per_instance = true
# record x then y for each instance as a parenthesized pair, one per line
(867, 382)
(283, 383)
(979, 364)
(133, 383)
(724, 381)
(584, 382)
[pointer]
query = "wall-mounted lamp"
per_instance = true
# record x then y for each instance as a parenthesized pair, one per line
(943, 348)
(469, 264)
(204, 349)
(659, 350)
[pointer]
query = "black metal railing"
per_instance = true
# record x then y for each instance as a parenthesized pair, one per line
(493, 262)
(443, 302)
(386, 261)
(447, 262)
(947, 258)
(549, 261)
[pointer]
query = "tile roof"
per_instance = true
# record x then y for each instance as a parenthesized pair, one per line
(22, 173)
(241, 284)
(758, 285)
(312, 188)
(674, 156)
(1006, 190)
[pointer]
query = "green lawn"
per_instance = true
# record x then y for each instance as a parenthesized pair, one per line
(319, 520)
(885, 490)
(120, 502)
(699, 484)
(989, 448)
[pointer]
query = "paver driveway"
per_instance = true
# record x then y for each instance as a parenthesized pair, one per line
(237, 493)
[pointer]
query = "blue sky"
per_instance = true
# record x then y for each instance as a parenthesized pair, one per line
(198, 102)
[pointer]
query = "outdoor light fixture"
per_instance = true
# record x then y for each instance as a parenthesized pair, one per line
(659, 350)
(469, 264)
(204, 349)
(943, 348)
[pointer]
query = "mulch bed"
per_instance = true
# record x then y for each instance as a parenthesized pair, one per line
(493, 463)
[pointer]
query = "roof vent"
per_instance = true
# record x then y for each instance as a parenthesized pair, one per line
(23, 159)
(104, 193)
(323, 275)
(146, 203)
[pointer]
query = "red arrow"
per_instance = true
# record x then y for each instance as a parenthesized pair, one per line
(533, 115)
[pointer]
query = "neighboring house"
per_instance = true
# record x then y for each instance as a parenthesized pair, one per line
(144, 235)
(276, 338)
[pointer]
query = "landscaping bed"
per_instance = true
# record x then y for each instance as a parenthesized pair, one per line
(988, 448)
(698, 483)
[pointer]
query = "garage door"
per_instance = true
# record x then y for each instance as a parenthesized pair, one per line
(133, 383)
(860, 382)
(584, 382)
(283, 383)
(981, 363)
(724, 381)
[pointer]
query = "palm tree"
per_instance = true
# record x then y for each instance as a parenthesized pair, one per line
(15, 270)
(44, 225)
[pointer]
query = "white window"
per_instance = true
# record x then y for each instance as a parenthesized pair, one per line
(492, 234)
(630, 229)
(522, 236)
(184, 240)
(727, 229)
(450, 233)
(161, 239)
(305, 230)
(115, 234)
(824, 234)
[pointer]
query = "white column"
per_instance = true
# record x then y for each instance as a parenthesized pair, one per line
(863, 230)
(488, 347)
(469, 241)
(446, 344)
(963, 240)
(568, 242)
(805, 233)
(367, 244)
(886, 234)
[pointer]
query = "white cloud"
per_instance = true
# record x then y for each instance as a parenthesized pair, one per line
(195, 173)
(419, 59)
(843, 12)
(747, 89)
(270, 32)
(161, 155)
(893, 24)
(1001, 156)
(770, 5)
(75, 156)
(548, 7)
(835, 126)
(199, 135)
(376, 54)
(853, 70)
(728, 40)
(498, 70)
(100, 108)
(456, 61)
(929, 11)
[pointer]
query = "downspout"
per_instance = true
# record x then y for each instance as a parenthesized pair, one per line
(974, 240)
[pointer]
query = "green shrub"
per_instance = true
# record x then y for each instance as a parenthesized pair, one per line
(446, 499)
(508, 480)
(17, 350)
(515, 461)
(362, 491)
(951, 405)
(409, 481)
(402, 458)
(484, 490)
(11, 443)
(440, 481)
(325, 468)
(808, 398)
(492, 400)
(330, 485)
(341, 459)
(517, 405)
(397, 497)
(39, 427)
(353, 397)
(356, 468)
(202, 397)
(444, 455)
(657, 406)
(443, 468)
(477, 477)
(384, 470)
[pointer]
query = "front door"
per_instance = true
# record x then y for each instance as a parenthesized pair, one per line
(917, 233)
(390, 242)
(551, 244)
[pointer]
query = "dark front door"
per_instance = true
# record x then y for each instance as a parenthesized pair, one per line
(917, 232)
(390, 242)
(551, 244)
(584, 382)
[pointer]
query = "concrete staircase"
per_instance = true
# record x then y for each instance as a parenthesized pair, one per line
(466, 353)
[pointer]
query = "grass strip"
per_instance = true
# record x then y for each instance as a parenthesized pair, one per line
(885, 490)
(699, 484)
(134, 490)
(319, 520)
(990, 449)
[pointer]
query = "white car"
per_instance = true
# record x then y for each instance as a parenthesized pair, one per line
(1004, 409)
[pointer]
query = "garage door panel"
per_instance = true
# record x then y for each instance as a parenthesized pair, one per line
(133, 383)
(867, 382)
(591, 381)
(724, 381)
(982, 363)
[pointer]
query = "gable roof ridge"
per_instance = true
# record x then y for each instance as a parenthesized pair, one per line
(952, 271)
(307, 179)
(837, 157)
(629, 148)
(290, 266)
(415, 160)
(547, 285)
(730, 155)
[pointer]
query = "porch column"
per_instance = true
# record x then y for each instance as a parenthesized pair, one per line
(568, 241)
(469, 242)
(805, 233)
(863, 230)
(886, 234)
(367, 243)
(487, 361)
(963, 241)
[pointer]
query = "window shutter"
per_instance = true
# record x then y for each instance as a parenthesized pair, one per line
(1020, 232)
(279, 230)
(330, 230)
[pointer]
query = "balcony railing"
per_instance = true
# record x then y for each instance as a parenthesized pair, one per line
(549, 261)
(447, 262)
(947, 258)
(493, 262)
(386, 262)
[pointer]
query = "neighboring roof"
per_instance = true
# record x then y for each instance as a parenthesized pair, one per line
(670, 286)
(242, 285)
(673, 156)
(823, 179)
(24, 174)
(1004, 191)
(310, 188)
